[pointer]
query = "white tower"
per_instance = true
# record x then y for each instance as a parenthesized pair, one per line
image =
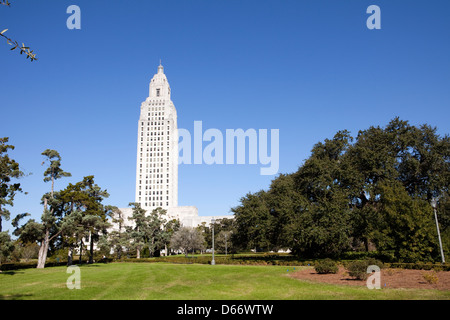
(157, 159)
(157, 152)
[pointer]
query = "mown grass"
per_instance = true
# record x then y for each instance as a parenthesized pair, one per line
(164, 281)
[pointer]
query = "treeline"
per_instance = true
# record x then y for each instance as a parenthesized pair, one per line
(371, 192)
(366, 193)
(76, 222)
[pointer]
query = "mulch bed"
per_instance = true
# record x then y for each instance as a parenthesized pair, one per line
(390, 278)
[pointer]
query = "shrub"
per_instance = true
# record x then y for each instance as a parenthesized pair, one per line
(358, 269)
(373, 261)
(430, 277)
(326, 266)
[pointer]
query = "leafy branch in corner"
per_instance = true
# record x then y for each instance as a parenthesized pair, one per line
(22, 48)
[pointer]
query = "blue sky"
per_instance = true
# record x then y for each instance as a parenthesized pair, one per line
(307, 68)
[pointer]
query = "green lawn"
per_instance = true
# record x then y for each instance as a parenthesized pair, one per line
(161, 281)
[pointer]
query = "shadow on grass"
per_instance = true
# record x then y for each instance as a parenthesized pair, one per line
(10, 272)
(14, 296)
(88, 265)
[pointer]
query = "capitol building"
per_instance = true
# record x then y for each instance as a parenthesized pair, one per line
(157, 158)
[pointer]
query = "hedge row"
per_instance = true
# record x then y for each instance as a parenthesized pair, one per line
(230, 260)
(244, 260)
(420, 266)
(51, 262)
(29, 265)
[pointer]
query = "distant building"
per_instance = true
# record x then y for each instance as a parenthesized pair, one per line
(157, 157)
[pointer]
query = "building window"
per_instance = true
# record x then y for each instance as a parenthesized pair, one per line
(157, 92)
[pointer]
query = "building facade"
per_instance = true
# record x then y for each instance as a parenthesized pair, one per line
(157, 151)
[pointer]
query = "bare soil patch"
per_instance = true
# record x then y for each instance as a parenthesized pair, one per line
(390, 278)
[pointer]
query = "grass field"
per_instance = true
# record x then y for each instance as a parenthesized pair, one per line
(161, 281)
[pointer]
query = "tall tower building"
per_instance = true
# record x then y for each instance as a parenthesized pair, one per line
(157, 159)
(157, 148)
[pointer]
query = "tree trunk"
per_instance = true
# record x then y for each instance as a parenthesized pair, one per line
(91, 250)
(81, 251)
(70, 256)
(153, 248)
(43, 251)
(366, 244)
(138, 253)
(0, 218)
(119, 252)
(165, 250)
(42, 257)
(53, 183)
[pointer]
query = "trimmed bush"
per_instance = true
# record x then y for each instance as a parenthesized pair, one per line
(358, 269)
(326, 266)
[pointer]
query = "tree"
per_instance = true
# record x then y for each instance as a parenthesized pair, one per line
(29, 250)
(169, 229)
(223, 228)
(155, 231)
(320, 226)
(423, 159)
(52, 173)
(321, 229)
(148, 231)
(416, 157)
(222, 241)
(6, 246)
(94, 218)
(406, 229)
(187, 239)
(444, 221)
(84, 214)
(206, 232)
(22, 48)
(374, 192)
(253, 222)
(118, 239)
(138, 232)
(9, 170)
(72, 232)
(285, 205)
(73, 200)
